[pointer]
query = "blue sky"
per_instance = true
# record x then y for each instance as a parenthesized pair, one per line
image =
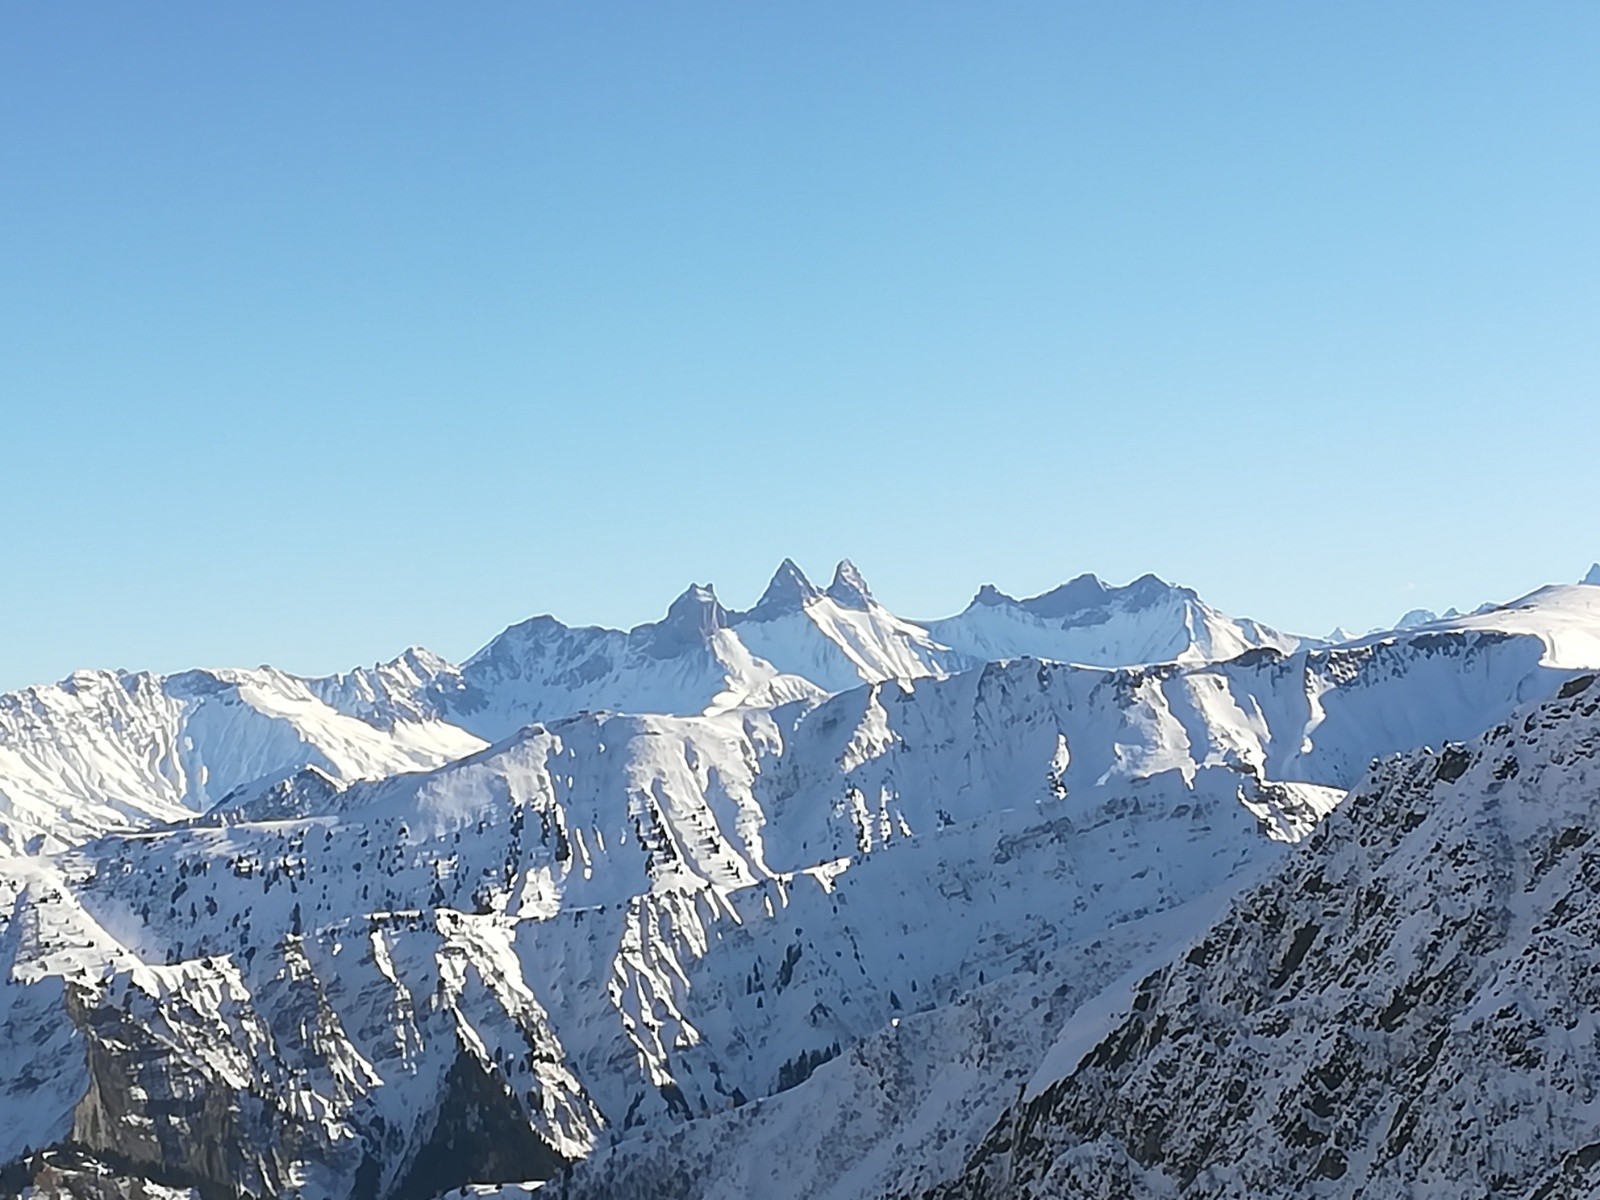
(326, 329)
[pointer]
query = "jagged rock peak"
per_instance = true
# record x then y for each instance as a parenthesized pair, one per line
(1593, 576)
(1090, 592)
(990, 596)
(697, 610)
(848, 587)
(789, 590)
(691, 621)
(1086, 591)
(1084, 594)
(420, 660)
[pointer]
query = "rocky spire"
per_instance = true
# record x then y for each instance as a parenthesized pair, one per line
(848, 587)
(692, 618)
(990, 596)
(789, 590)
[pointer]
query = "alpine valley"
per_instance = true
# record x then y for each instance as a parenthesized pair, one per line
(1098, 893)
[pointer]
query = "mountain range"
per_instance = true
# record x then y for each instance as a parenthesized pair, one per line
(106, 750)
(1055, 896)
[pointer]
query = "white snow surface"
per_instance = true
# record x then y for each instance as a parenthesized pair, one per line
(1405, 1006)
(693, 916)
(104, 750)
(110, 750)
(1086, 621)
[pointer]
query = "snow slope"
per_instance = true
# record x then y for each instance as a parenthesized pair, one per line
(1405, 1007)
(761, 940)
(841, 636)
(798, 641)
(104, 750)
(217, 966)
(688, 662)
(592, 937)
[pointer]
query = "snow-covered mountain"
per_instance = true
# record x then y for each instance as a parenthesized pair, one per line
(787, 902)
(1424, 616)
(618, 938)
(797, 640)
(1406, 1007)
(1593, 577)
(688, 662)
(614, 923)
(102, 751)
(840, 636)
(1086, 621)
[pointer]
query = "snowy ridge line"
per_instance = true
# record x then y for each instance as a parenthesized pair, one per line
(792, 940)
(106, 750)
(759, 893)
(1403, 1006)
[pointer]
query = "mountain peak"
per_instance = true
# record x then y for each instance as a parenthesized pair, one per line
(1593, 576)
(697, 606)
(1086, 591)
(421, 660)
(789, 590)
(990, 596)
(1416, 617)
(848, 587)
(691, 620)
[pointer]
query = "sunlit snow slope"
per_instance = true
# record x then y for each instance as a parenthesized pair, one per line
(102, 751)
(1405, 1007)
(608, 927)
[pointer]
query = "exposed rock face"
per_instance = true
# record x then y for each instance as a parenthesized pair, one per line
(480, 1135)
(75, 1175)
(1405, 1008)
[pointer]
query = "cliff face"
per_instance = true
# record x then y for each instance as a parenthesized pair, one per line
(1406, 1007)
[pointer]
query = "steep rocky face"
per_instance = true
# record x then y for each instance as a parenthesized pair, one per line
(1406, 1007)
(310, 1069)
(76, 1175)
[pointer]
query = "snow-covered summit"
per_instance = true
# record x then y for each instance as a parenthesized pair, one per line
(688, 662)
(1088, 621)
(838, 636)
(849, 588)
(790, 591)
(606, 934)
(1563, 617)
(1417, 617)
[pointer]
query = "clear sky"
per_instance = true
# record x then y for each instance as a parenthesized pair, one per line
(330, 328)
